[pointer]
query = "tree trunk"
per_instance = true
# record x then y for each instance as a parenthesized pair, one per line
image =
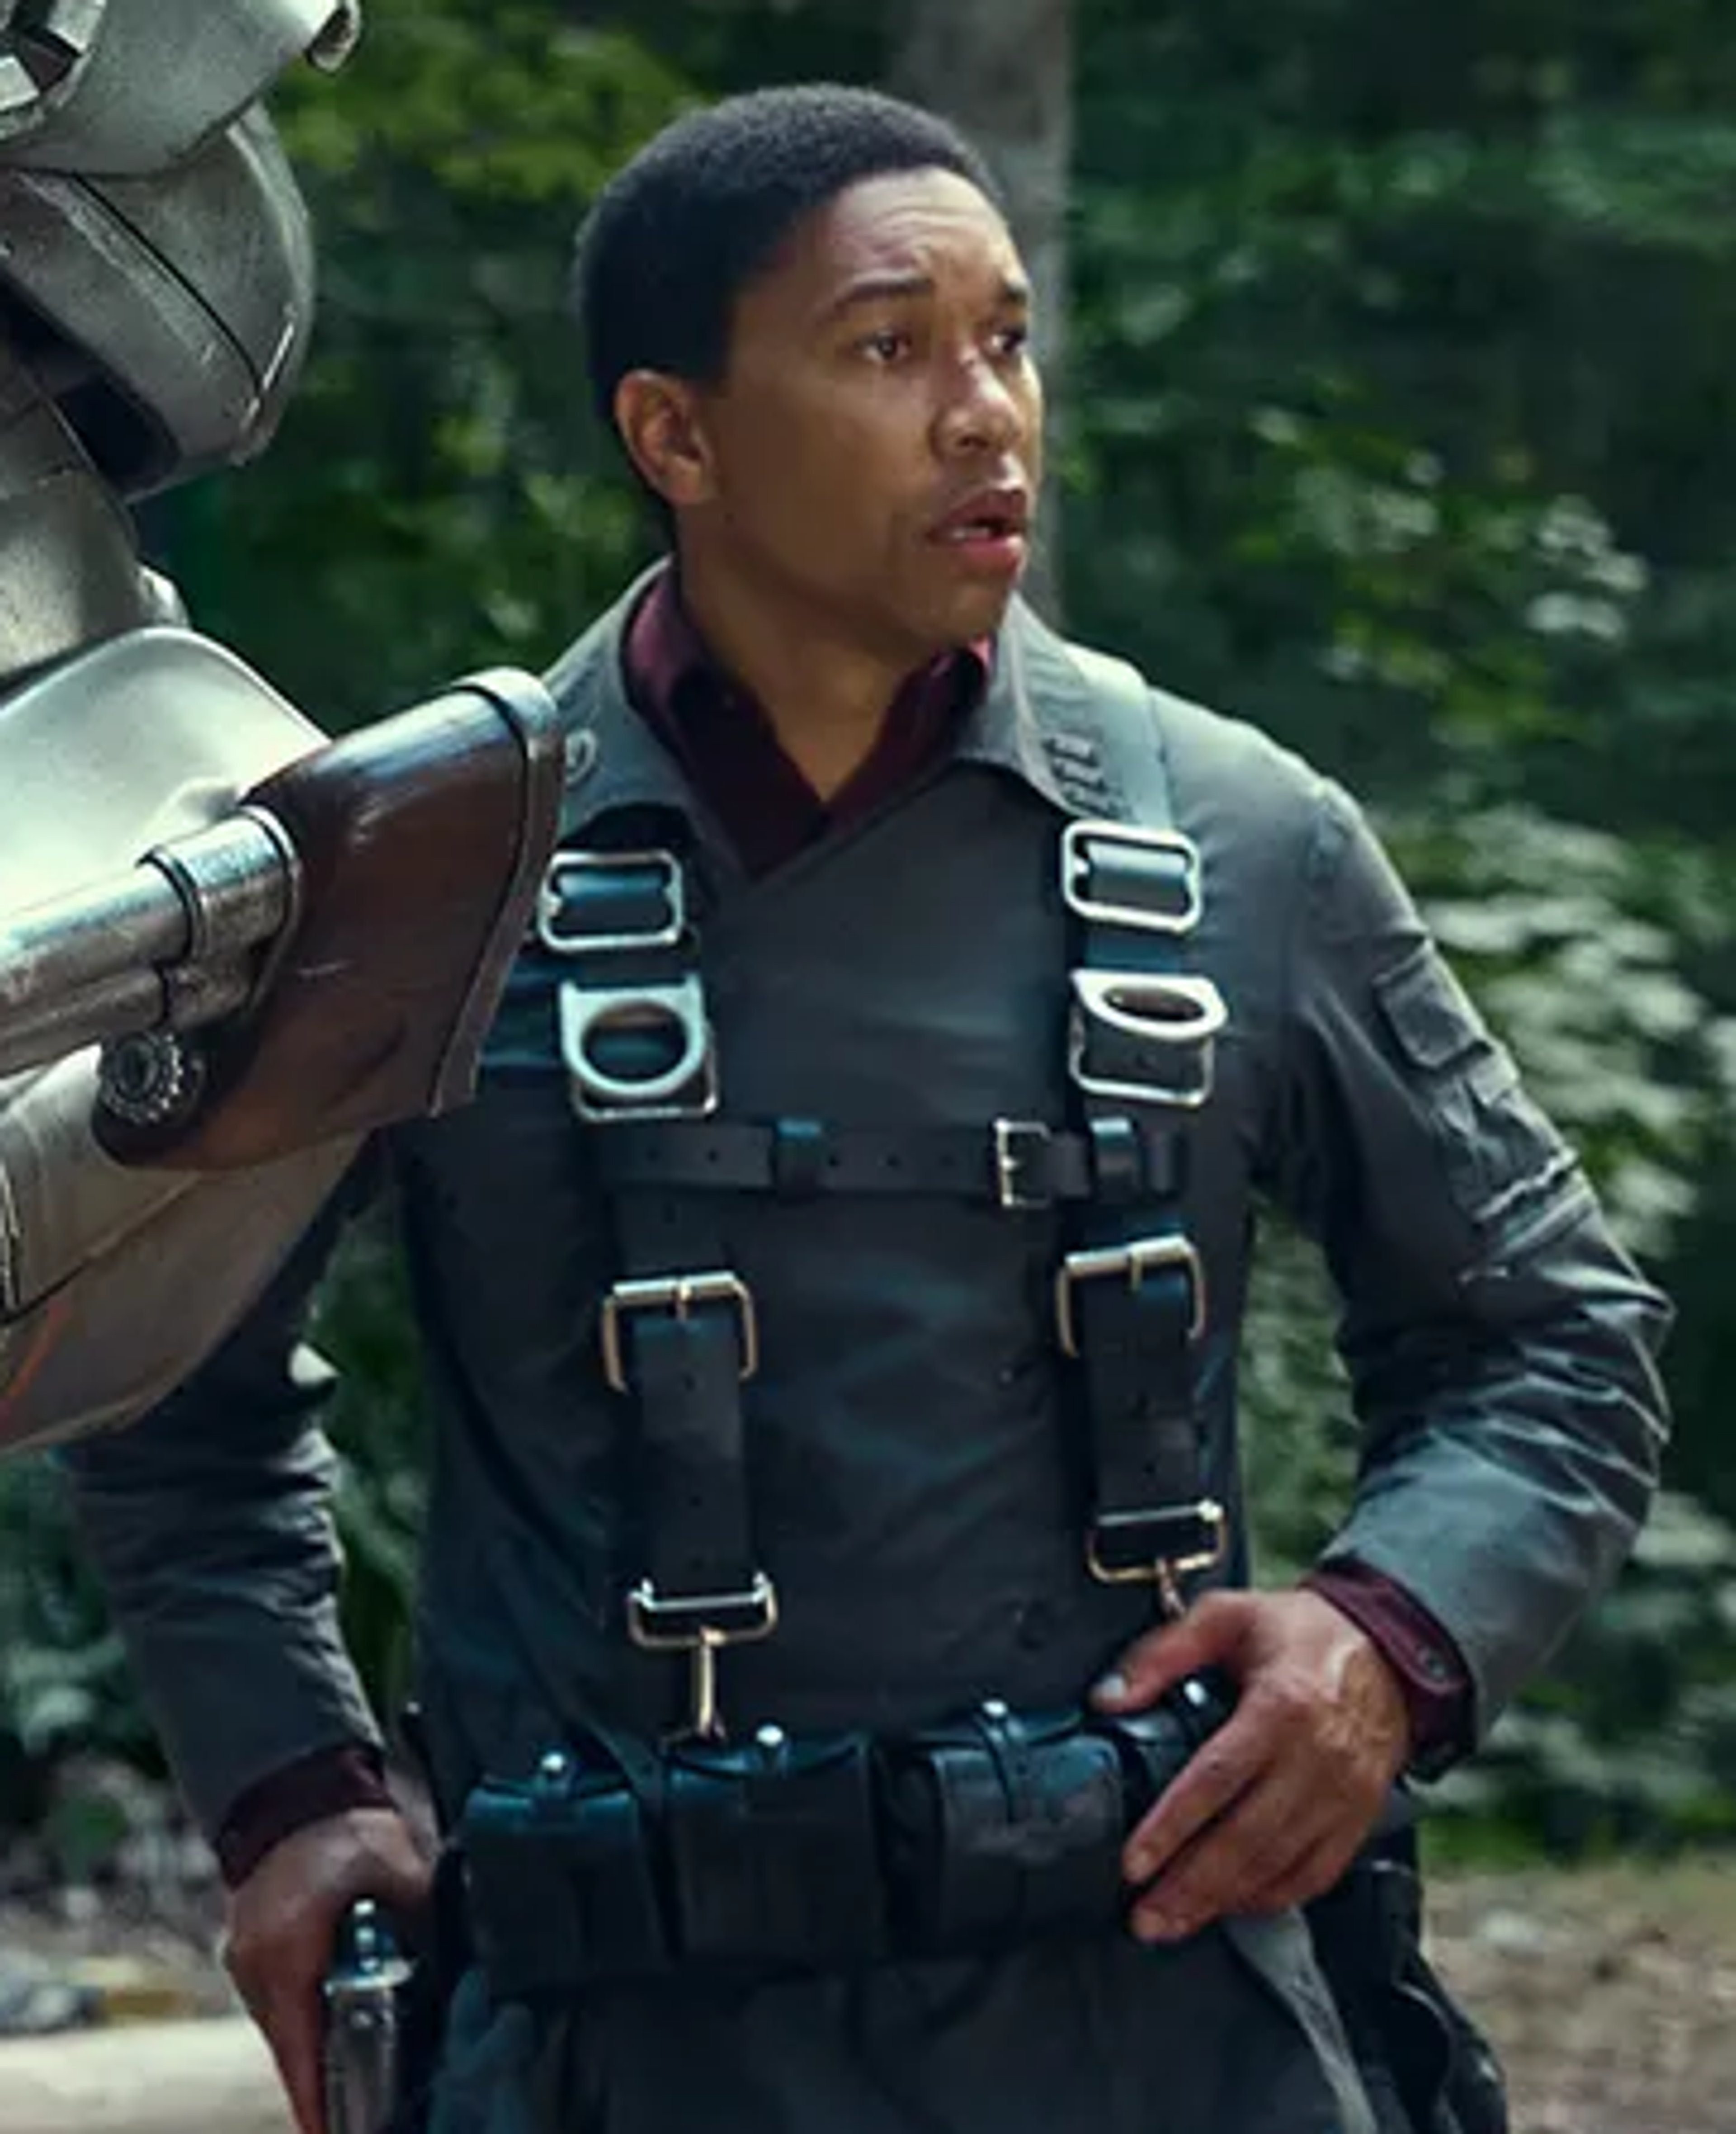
(1002, 71)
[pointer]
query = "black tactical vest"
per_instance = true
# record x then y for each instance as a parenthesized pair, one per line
(915, 1447)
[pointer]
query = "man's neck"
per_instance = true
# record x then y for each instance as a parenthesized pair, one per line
(824, 696)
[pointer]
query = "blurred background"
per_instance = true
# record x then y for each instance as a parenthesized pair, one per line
(1390, 359)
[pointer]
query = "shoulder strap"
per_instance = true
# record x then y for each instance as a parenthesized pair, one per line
(1130, 1294)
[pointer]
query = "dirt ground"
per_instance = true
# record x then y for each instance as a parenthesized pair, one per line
(1611, 1993)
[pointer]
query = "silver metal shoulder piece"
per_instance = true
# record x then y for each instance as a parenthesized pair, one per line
(125, 88)
(157, 246)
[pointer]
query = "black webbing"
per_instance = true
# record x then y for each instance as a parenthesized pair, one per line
(1130, 1297)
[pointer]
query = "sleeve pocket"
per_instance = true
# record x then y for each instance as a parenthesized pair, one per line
(1431, 1017)
(1503, 1160)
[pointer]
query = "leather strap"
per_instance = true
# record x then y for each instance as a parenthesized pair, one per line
(1014, 1164)
(1130, 1300)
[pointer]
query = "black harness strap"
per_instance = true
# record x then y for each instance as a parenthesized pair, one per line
(1012, 1164)
(678, 1331)
(1130, 1296)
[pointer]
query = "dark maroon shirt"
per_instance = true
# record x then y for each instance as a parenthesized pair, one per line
(727, 746)
(733, 758)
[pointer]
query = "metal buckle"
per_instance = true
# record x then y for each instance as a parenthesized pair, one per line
(673, 1622)
(1133, 1262)
(686, 1090)
(689, 1623)
(682, 1294)
(1210, 1530)
(1022, 1149)
(1076, 865)
(1185, 1014)
(673, 886)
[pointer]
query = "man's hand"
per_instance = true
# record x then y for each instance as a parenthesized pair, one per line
(1272, 1808)
(283, 1919)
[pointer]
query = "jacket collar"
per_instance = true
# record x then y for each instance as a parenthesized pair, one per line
(1037, 700)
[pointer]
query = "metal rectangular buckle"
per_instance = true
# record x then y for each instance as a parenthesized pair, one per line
(677, 1622)
(1022, 1150)
(1132, 1262)
(1184, 1539)
(1186, 1015)
(702, 1625)
(1076, 842)
(672, 886)
(682, 1294)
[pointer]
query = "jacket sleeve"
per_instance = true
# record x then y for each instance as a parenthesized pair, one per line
(1500, 1346)
(209, 1524)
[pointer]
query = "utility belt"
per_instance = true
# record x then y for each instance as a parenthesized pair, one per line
(830, 1853)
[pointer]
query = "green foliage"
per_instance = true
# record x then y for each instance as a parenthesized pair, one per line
(438, 497)
(64, 1682)
(1632, 1738)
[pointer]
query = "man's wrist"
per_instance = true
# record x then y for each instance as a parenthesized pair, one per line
(329, 1781)
(1431, 1674)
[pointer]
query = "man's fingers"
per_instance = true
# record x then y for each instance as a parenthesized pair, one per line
(1258, 1844)
(1216, 1775)
(1210, 1634)
(292, 2027)
(1306, 1879)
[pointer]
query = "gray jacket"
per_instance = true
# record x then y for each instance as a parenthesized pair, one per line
(910, 1491)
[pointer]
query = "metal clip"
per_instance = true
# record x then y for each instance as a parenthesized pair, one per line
(663, 1623)
(667, 1022)
(1165, 1570)
(1078, 863)
(1182, 1016)
(552, 903)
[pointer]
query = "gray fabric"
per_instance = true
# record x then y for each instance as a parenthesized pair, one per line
(1230, 2034)
(915, 1492)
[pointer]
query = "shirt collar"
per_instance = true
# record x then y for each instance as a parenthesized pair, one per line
(616, 760)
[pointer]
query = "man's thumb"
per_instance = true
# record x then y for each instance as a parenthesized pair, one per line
(1207, 1636)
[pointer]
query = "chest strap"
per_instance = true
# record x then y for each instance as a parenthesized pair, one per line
(678, 1329)
(1131, 1303)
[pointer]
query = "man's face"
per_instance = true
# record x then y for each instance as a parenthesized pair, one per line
(874, 448)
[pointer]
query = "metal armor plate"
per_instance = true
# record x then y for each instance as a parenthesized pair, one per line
(115, 1282)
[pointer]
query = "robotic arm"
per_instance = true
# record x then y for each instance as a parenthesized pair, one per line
(228, 948)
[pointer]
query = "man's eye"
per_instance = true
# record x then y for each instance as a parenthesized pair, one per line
(1013, 340)
(887, 346)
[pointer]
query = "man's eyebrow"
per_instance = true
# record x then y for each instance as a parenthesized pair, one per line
(882, 289)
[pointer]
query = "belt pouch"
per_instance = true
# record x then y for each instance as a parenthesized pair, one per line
(559, 1876)
(1153, 1745)
(773, 1852)
(1000, 1826)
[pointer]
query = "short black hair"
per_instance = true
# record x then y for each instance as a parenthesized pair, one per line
(682, 227)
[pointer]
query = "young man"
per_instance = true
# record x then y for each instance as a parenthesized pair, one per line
(831, 1300)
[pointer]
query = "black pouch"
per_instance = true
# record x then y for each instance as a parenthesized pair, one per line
(1156, 1744)
(560, 1879)
(1001, 1825)
(1426, 2067)
(773, 1852)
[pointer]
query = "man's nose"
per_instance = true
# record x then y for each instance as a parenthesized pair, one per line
(983, 411)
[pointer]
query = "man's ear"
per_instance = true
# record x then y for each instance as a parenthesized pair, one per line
(658, 419)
